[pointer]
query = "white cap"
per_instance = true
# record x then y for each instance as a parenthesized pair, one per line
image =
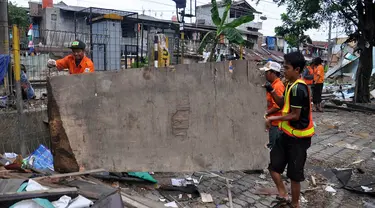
(271, 65)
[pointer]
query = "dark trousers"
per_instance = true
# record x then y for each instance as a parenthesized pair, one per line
(317, 93)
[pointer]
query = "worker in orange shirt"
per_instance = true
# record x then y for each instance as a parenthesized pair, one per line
(308, 76)
(318, 84)
(272, 72)
(77, 62)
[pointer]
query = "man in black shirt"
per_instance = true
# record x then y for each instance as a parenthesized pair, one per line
(297, 127)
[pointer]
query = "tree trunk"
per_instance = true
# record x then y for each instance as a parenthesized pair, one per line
(362, 91)
(212, 51)
(367, 27)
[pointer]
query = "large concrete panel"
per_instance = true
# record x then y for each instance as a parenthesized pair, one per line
(188, 118)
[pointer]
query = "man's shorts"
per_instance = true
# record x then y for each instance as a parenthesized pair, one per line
(274, 134)
(290, 151)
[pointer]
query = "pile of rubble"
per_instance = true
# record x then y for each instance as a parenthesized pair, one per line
(340, 96)
(32, 182)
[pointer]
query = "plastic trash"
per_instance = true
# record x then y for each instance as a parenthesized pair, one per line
(33, 203)
(330, 189)
(171, 204)
(80, 202)
(63, 202)
(366, 189)
(178, 182)
(10, 155)
(41, 159)
(143, 175)
(34, 186)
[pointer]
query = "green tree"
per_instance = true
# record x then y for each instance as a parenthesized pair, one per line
(222, 28)
(356, 17)
(293, 31)
(17, 15)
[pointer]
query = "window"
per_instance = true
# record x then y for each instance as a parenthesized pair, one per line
(53, 17)
(128, 30)
(232, 14)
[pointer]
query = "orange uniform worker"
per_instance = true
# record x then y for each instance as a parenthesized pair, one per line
(272, 72)
(308, 76)
(318, 84)
(77, 62)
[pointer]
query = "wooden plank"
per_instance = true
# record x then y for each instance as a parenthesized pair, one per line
(71, 174)
(7, 199)
(134, 201)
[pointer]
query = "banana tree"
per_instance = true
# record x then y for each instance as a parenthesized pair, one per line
(228, 30)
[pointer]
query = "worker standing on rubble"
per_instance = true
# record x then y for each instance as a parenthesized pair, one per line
(77, 62)
(318, 84)
(272, 72)
(297, 129)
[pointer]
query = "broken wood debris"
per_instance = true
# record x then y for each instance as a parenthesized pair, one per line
(229, 194)
(8, 199)
(71, 174)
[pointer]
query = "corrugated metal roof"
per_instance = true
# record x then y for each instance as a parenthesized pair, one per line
(262, 54)
(234, 4)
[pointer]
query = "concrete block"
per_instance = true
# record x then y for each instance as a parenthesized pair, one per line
(184, 118)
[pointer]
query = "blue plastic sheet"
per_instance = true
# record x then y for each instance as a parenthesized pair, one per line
(41, 159)
(4, 62)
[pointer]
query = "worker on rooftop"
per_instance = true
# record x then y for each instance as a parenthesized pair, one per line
(77, 62)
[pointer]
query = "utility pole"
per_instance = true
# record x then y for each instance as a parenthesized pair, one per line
(329, 42)
(4, 30)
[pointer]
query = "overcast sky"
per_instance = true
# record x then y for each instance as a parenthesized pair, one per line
(165, 9)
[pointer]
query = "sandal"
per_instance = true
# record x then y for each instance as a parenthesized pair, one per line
(281, 202)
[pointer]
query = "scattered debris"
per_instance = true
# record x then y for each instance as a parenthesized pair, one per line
(368, 204)
(206, 198)
(353, 147)
(261, 182)
(303, 200)
(358, 183)
(8, 155)
(162, 199)
(71, 174)
(229, 194)
(262, 176)
(171, 204)
(329, 145)
(357, 162)
(330, 189)
(366, 189)
(41, 159)
(266, 191)
(348, 146)
(178, 182)
(143, 175)
(313, 180)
